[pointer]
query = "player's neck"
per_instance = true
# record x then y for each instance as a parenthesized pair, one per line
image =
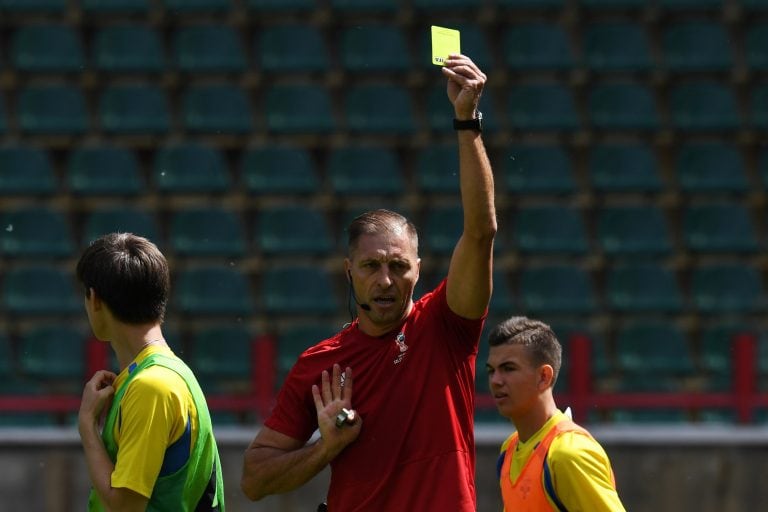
(130, 340)
(530, 423)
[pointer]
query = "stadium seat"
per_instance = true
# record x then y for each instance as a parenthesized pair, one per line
(550, 230)
(222, 352)
(213, 290)
(294, 339)
(267, 6)
(536, 46)
(711, 167)
(703, 106)
(616, 46)
(135, 109)
(3, 116)
(633, 231)
(118, 219)
(502, 299)
(53, 351)
(218, 109)
(47, 7)
(206, 231)
(756, 47)
(696, 46)
(104, 171)
(437, 169)
(541, 107)
(52, 109)
(652, 348)
(654, 416)
(298, 230)
(716, 351)
(624, 168)
(727, 288)
(40, 290)
(274, 170)
(6, 358)
(365, 170)
(608, 5)
(53, 48)
(298, 290)
(35, 232)
(208, 48)
(643, 288)
(759, 107)
(685, 5)
(128, 48)
(526, 4)
(622, 106)
(442, 228)
(298, 108)
(440, 115)
(190, 168)
(538, 169)
(292, 48)
(600, 360)
(115, 6)
(556, 289)
(437, 5)
(755, 5)
(379, 109)
(26, 170)
(719, 228)
(370, 48)
(194, 6)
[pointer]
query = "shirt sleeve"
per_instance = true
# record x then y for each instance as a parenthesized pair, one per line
(582, 474)
(152, 416)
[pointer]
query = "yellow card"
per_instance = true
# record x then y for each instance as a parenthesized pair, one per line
(445, 41)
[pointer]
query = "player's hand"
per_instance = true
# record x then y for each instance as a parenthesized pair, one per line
(98, 392)
(339, 424)
(465, 85)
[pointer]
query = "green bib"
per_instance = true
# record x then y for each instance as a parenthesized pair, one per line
(199, 480)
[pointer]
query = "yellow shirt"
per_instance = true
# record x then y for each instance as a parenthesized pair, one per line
(581, 471)
(153, 415)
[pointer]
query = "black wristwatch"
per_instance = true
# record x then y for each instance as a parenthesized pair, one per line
(475, 124)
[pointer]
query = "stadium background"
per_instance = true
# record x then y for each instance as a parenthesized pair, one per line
(628, 144)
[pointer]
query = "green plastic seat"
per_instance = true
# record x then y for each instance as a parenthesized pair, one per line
(550, 230)
(727, 288)
(624, 168)
(297, 230)
(556, 289)
(49, 7)
(52, 110)
(716, 344)
(536, 46)
(704, 106)
(267, 6)
(719, 228)
(538, 169)
(374, 47)
(287, 170)
(116, 6)
(298, 108)
(207, 231)
(292, 47)
(52, 48)
(541, 107)
(222, 352)
(40, 290)
(696, 46)
(208, 48)
(128, 48)
(196, 6)
(298, 290)
(633, 231)
(653, 348)
(437, 169)
(213, 290)
(379, 109)
(104, 170)
(35, 232)
(120, 219)
(365, 170)
(53, 351)
(622, 106)
(711, 167)
(294, 339)
(643, 288)
(190, 168)
(217, 109)
(26, 170)
(134, 109)
(616, 46)
(759, 107)
(756, 47)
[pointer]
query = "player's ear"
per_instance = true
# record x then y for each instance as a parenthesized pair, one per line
(546, 374)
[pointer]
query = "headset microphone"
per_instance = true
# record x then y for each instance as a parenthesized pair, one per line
(363, 306)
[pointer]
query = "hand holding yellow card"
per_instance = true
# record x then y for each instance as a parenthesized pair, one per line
(445, 42)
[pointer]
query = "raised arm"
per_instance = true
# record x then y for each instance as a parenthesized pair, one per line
(470, 273)
(275, 463)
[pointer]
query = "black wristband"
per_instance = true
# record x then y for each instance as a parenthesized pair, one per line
(475, 124)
